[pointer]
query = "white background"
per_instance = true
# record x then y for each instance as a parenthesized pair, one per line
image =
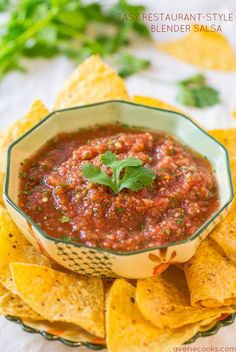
(17, 92)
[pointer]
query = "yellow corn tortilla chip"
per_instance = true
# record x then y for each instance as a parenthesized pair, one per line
(228, 138)
(225, 233)
(208, 324)
(156, 103)
(2, 176)
(65, 331)
(211, 276)
(35, 114)
(15, 247)
(11, 304)
(165, 301)
(204, 49)
(128, 331)
(93, 81)
(61, 297)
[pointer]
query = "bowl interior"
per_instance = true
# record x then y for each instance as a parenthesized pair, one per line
(127, 113)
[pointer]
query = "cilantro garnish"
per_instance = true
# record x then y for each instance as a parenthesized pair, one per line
(195, 92)
(135, 176)
(59, 27)
(67, 238)
(64, 219)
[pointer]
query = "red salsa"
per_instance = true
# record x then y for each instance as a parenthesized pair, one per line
(65, 204)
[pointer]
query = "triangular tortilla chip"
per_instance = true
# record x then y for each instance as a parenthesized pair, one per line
(225, 233)
(93, 81)
(165, 301)
(211, 276)
(156, 103)
(204, 49)
(35, 114)
(61, 297)
(15, 247)
(228, 138)
(129, 331)
(65, 331)
(11, 304)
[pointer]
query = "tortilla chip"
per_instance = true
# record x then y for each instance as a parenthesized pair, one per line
(61, 297)
(35, 114)
(156, 103)
(225, 233)
(15, 247)
(2, 176)
(93, 81)
(11, 304)
(211, 276)
(65, 331)
(128, 331)
(228, 138)
(164, 300)
(204, 49)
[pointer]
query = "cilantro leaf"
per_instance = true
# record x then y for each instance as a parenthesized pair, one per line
(135, 175)
(58, 27)
(206, 96)
(96, 175)
(64, 219)
(196, 80)
(136, 178)
(128, 64)
(185, 96)
(195, 92)
(108, 158)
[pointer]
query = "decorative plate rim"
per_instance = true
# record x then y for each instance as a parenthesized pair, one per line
(98, 347)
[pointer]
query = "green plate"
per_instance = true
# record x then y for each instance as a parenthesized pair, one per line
(97, 347)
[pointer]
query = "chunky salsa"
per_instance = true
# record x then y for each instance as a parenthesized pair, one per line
(65, 204)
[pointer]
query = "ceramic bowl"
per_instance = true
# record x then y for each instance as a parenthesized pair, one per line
(103, 262)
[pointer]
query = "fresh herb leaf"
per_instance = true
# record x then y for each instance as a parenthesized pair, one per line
(4, 5)
(128, 65)
(120, 209)
(135, 176)
(96, 175)
(56, 27)
(196, 80)
(67, 238)
(185, 96)
(64, 219)
(194, 92)
(206, 96)
(108, 158)
(38, 209)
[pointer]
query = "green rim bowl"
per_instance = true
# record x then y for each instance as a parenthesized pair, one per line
(103, 262)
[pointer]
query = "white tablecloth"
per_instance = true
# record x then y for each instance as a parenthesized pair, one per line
(17, 91)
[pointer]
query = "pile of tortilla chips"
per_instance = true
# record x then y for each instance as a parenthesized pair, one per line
(154, 314)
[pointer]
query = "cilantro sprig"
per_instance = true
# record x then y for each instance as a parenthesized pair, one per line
(195, 92)
(75, 29)
(127, 173)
